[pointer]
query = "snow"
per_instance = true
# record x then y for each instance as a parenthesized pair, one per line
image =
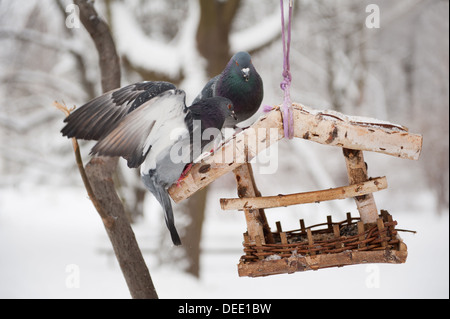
(137, 46)
(53, 245)
(363, 120)
(257, 35)
(148, 53)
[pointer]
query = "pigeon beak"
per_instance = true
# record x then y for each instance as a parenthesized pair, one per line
(245, 73)
(234, 115)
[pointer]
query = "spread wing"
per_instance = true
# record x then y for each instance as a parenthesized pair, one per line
(102, 114)
(148, 127)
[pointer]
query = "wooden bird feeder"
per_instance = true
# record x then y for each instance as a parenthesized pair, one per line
(369, 238)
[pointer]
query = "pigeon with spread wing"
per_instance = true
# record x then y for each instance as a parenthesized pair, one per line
(149, 124)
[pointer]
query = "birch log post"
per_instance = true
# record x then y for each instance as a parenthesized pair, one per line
(357, 173)
(257, 225)
(357, 133)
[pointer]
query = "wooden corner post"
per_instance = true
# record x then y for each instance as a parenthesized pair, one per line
(257, 227)
(357, 173)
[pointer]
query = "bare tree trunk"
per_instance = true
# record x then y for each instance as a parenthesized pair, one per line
(194, 207)
(100, 169)
(212, 33)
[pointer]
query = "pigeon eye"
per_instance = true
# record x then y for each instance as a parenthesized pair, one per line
(229, 106)
(236, 63)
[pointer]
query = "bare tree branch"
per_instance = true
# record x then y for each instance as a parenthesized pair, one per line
(101, 35)
(100, 169)
(107, 220)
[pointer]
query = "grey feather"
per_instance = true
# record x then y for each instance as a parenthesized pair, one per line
(159, 191)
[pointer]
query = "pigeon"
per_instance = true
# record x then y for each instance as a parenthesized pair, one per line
(149, 124)
(239, 82)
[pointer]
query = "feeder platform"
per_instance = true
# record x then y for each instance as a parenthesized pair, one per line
(369, 238)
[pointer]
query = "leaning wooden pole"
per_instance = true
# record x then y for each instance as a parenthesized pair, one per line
(101, 169)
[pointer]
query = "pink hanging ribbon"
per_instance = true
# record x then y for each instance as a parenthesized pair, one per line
(288, 118)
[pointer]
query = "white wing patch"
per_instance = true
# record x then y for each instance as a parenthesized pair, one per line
(145, 129)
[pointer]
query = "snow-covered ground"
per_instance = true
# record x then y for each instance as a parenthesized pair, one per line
(53, 245)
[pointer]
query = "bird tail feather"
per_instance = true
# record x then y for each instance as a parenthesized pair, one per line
(163, 197)
(168, 216)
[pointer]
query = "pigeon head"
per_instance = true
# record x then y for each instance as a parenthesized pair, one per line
(224, 106)
(241, 83)
(241, 65)
(213, 111)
